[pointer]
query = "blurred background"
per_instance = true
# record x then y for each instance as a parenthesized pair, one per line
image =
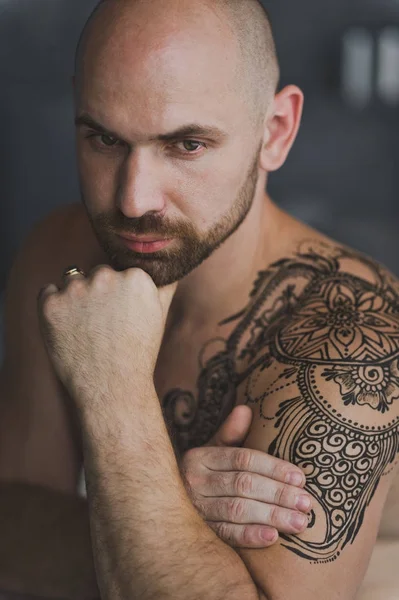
(341, 177)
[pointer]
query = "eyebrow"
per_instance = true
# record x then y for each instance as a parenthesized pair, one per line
(193, 129)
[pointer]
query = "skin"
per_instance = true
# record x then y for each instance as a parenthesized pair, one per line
(124, 187)
(267, 225)
(200, 198)
(192, 198)
(121, 438)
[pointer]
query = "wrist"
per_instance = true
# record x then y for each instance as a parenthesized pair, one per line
(118, 402)
(126, 426)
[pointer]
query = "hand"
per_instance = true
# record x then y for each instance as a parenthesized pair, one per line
(243, 494)
(104, 330)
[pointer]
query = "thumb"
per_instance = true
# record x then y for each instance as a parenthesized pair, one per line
(235, 428)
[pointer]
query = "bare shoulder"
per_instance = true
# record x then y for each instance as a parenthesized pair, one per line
(64, 237)
(67, 238)
(326, 340)
(320, 358)
(39, 256)
(32, 398)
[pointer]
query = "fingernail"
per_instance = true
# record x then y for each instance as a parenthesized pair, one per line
(298, 521)
(295, 478)
(268, 535)
(303, 503)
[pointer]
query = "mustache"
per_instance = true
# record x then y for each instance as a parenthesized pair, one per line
(147, 224)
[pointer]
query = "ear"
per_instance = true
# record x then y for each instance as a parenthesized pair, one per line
(281, 127)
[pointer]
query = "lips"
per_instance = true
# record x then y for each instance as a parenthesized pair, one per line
(144, 244)
(141, 238)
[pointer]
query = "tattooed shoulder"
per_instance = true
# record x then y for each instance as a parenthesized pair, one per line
(315, 353)
(325, 384)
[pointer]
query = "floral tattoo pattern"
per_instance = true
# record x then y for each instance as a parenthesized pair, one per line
(377, 386)
(312, 331)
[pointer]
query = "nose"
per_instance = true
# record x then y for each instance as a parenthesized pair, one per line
(140, 189)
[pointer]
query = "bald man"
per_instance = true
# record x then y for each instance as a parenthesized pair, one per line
(194, 295)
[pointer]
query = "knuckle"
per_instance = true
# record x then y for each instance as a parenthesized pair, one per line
(103, 275)
(247, 537)
(76, 286)
(279, 494)
(242, 459)
(138, 276)
(105, 270)
(236, 510)
(286, 498)
(278, 471)
(273, 516)
(243, 485)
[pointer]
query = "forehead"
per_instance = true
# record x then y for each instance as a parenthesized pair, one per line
(159, 72)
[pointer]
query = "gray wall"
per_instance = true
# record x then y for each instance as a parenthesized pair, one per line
(37, 173)
(341, 175)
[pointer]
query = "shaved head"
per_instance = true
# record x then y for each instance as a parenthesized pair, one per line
(256, 62)
(173, 104)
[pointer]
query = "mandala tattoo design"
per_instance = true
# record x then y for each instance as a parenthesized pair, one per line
(312, 331)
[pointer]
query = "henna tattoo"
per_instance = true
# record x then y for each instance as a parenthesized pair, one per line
(311, 329)
(192, 423)
(375, 385)
(343, 462)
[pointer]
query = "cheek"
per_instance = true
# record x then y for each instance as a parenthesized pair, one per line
(205, 205)
(98, 176)
(203, 195)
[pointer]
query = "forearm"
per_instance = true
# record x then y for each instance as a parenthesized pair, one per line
(149, 541)
(45, 546)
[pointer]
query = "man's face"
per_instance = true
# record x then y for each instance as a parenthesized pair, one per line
(141, 178)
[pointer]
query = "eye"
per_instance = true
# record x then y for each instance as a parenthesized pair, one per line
(191, 146)
(102, 141)
(107, 140)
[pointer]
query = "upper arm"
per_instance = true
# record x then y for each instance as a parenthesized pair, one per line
(38, 442)
(325, 397)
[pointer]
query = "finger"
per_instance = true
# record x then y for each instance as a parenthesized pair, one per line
(68, 278)
(242, 512)
(245, 536)
(241, 484)
(45, 292)
(254, 461)
(235, 428)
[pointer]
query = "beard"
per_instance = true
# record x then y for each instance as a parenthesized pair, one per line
(171, 264)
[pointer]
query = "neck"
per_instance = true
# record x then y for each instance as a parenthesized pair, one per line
(220, 287)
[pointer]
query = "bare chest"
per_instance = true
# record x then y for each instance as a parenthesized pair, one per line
(196, 383)
(200, 378)
(198, 386)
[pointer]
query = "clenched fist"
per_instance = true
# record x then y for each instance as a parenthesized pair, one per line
(104, 330)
